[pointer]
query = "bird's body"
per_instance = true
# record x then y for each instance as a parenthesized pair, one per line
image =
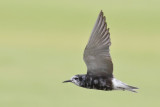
(99, 63)
(94, 82)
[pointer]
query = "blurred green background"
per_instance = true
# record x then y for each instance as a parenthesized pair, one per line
(42, 43)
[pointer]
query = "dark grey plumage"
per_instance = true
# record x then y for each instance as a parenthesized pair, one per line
(96, 54)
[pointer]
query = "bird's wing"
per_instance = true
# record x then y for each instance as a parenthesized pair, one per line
(96, 54)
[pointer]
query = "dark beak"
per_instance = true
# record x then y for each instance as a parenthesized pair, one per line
(67, 81)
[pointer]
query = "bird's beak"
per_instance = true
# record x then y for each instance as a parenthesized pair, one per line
(67, 81)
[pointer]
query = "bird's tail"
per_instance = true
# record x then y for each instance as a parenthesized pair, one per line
(131, 88)
(118, 85)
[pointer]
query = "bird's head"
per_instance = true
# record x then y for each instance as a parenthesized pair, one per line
(77, 79)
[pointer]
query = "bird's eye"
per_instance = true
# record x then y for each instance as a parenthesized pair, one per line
(76, 78)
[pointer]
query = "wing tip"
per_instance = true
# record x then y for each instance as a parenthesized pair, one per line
(103, 17)
(101, 13)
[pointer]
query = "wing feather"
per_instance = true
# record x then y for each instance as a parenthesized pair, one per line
(96, 54)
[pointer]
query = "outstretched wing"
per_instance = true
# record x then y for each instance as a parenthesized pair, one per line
(96, 54)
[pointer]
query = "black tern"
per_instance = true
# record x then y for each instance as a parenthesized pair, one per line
(98, 61)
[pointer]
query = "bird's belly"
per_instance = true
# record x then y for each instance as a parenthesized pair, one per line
(99, 84)
(106, 88)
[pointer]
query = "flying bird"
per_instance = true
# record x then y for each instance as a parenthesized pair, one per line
(98, 61)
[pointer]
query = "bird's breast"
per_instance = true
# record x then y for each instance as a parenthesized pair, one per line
(100, 83)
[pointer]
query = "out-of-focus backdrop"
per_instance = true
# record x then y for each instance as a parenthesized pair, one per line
(42, 43)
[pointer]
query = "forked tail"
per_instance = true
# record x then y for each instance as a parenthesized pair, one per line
(118, 85)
